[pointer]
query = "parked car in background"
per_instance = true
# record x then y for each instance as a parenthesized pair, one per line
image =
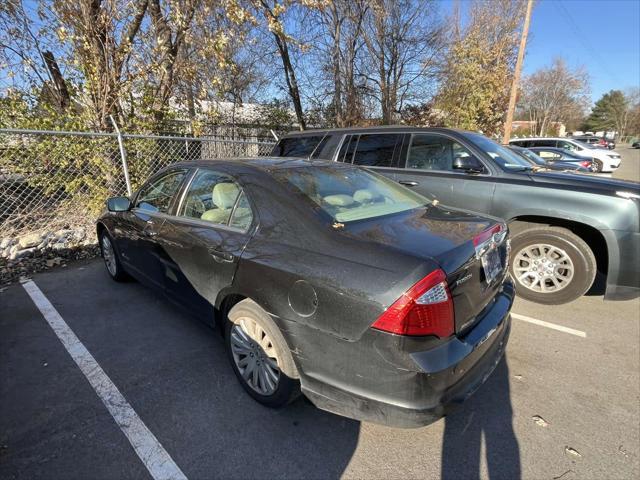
(555, 162)
(593, 140)
(590, 140)
(610, 160)
(636, 144)
(378, 304)
(564, 226)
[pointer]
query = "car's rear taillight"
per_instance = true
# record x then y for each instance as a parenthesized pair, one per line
(424, 309)
(585, 163)
(482, 237)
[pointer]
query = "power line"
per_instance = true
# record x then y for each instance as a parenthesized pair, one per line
(564, 12)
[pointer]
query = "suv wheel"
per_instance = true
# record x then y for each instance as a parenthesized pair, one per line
(551, 265)
(260, 356)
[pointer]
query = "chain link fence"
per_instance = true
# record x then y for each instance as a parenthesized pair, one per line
(53, 185)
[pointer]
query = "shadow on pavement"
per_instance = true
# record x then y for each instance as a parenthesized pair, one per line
(487, 415)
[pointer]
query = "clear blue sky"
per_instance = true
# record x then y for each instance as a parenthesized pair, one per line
(601, 35)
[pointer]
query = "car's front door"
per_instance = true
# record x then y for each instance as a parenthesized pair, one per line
(205, 238)
(429, 169)
(139, 243)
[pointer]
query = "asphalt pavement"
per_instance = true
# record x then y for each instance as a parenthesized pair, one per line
(565, 402)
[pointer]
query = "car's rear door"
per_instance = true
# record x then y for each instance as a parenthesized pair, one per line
(204, 239)
(428, 161)
(138, 238)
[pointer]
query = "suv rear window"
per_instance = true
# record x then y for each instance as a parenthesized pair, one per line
(299, 146)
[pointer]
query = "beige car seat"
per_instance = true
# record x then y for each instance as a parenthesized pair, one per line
(224, 197)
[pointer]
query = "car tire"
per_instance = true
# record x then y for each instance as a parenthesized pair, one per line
(260, 356)
(111, 258)
(597, 165)
(551, 265)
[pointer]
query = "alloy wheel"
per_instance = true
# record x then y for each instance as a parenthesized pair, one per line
(109, 255)
(255, 356)
(543, 268)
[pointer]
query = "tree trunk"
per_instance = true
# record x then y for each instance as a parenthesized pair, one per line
(61, 92)
(290, 77)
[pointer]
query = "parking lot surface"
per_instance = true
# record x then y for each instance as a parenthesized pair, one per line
(560, 405)
(565, 402)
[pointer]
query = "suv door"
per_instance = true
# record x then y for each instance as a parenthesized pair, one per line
(205, 239)
(138, 245)
(429, 169)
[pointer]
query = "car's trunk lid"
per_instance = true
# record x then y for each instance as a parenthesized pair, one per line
(447, 237)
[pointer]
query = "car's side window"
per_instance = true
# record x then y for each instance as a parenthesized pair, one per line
(212, 197)
(569, 146)
(157, 195)
(376, 150)
(242, 215)
(434, 152)
(300, 146)
(543, 143)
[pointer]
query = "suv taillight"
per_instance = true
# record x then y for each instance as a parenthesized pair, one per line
(424, 309)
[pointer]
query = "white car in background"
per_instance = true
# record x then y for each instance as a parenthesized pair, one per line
(604, 160)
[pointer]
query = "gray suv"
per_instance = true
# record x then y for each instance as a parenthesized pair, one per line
(564, 227)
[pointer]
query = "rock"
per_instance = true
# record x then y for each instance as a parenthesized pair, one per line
(60, 246)
(13, 252)
(27, 252)
(6, 243)
(540, 421)
(31, 240)
(64, 233)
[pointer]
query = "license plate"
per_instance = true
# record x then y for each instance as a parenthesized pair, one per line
(491, 264)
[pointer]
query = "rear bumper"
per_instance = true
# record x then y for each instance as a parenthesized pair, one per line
(441, 377)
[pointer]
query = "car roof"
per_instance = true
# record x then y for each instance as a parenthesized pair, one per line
(378, 129)
(259, 163)
(539, 138)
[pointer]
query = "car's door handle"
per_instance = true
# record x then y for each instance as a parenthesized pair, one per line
(220, 256)
(408, 183)
(150, 233)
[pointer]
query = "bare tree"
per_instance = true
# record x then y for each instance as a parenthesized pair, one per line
(554, 94)
(24, 49)
(273, 12)
(403, 38)
(102, 34)
(339, 44)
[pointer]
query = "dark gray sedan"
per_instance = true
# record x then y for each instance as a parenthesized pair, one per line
(325, 278)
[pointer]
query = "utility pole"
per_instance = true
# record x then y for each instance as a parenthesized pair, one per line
(516, 74)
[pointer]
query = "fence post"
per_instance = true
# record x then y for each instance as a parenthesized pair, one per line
(123, 155)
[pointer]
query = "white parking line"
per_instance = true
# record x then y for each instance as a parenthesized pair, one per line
(553, 326)
(152, 454)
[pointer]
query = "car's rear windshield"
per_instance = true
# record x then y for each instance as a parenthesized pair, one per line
(350, 194)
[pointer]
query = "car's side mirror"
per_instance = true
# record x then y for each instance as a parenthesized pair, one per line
(467, 164)
(118, 204)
